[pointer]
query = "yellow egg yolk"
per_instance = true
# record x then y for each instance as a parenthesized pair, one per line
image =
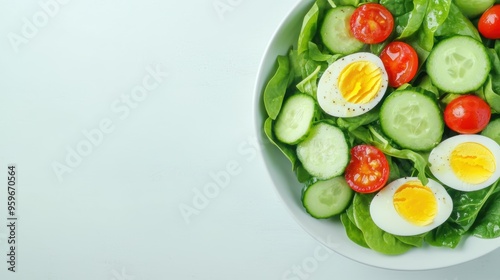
(360, 82)
(415, 203)
(472, 162)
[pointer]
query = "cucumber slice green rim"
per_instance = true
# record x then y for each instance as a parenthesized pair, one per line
(412, 119)
(325, 199)
(459, 64)
(324, 153)
(295, 118)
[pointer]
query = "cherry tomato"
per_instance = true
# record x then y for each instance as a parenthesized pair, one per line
(368, 170)
(400, 61)
(467, 114)
(371, 23)
(489, 23)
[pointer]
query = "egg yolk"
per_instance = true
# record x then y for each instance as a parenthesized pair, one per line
(472, 162)
(360, 82)
(415, 203)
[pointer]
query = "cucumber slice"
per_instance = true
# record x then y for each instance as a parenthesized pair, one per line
(412, 119)
(459, 64)
(492, 130)
(295, 118)
(324, 153)
(335, 31)
(325, 199)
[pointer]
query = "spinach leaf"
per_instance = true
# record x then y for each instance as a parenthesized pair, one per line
(467, 205)
(414, 240)
(302, 65)
(301, 173)
(310, 24)
(409, 16)
(488, 225)
(289, 152)
(494, 59)
(317, 55)
(352, 123)
(457, 24)
(417, 42)
(309, 85)
(426, 84)
(352, 231)
(436, 15)
(375, 238)
(394, 171)
(490, 94)
(447, 234)
(497, 47)
(324, 5)
(491, 89)
(409, 23)
(309, 27)
(275, 90)
(377, 49)
(398, 7)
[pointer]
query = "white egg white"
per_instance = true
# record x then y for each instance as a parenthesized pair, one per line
(329, 96)
(386, 217)
(439, 160)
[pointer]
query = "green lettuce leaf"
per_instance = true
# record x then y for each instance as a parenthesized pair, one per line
(457, 24)
(275, 90)
(375, 238)
(409, 22)
(467, 205)
(309, 27)
(447, 234)
(488, 224)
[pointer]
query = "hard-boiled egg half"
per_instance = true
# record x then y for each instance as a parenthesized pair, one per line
(405, 207)
(466, 162)
(352, 85)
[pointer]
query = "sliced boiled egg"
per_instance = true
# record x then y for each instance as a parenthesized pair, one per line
(352, 85)
(406, 207)
(466, 162)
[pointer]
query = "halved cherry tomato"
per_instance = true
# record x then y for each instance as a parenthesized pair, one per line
(489, 23)
(400, 61)
(371, 23)
(467, 114)
(368, 170)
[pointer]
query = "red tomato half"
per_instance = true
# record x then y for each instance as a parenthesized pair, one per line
(467, 114)
(489, 23)
(400, 61)
(371, 23)
(368, 170)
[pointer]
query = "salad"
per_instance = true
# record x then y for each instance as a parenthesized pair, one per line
(389, 112)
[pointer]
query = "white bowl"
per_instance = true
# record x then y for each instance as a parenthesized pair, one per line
(331, 232)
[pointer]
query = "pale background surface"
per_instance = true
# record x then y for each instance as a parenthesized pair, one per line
(113, 212)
